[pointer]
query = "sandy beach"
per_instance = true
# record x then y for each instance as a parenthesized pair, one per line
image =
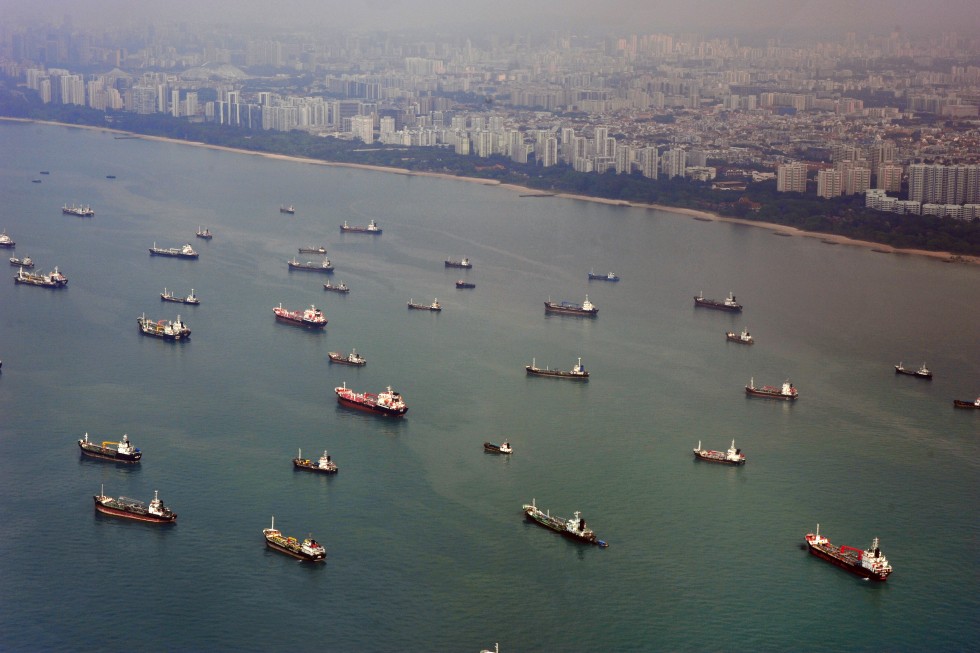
(782, 230)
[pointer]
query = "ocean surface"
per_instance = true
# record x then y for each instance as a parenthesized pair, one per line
(427, 546)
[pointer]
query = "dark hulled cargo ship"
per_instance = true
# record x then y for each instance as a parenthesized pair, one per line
(155, 513)
(870, 563)
(308, 549)
(122, 451)
(574, 528)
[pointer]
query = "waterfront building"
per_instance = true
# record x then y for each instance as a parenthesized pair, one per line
(791, 178)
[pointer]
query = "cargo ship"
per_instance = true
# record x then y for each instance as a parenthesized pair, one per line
(923, 372)
(312, 317)
(435, 306)
(313, 249)
(26, 262)
(287, 209)
(574, 528)
(204, 233)
(786, 392)
(170, 297)
(54, 280)
(870, 563)
(388, 403)
(324, 465)
(503, 448)
(165, 329)
(6, 241)
(577, 373)
(310, 266)
(122, 452)
(464, 284)
(185, 251)
(80, 211)
(371, 228)
(593, 276)
(585, 309)
(155, 513)
(339, 288)
(309, 549)
(744, 338)
(731, 457)
(463, 263)
(959, 403)
(353, 358)
(727, 304)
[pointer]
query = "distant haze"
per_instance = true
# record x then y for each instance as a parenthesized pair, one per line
(773, 17)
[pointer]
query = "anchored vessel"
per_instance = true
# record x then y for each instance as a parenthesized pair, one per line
(464, 263)
(315, 249)
(434, 306)
(388, 403)
(53, 280)
(165, 329)
(577, 373)
(204, 233)
(602, 277)
(922, 372)
(744, 338)
(324, 465)
(870, 563)
(185, 251)
(308, 549)
(312, 317)
(6, 241)
(371, 228)
(731, 457)
(353, 358)
(156, 512)
(786, 392)
(959, 403)
(80, 211)
(340, 288)
(170, 297)
(310, 266)
(26, 262)
(465, 284)
(727, 304)
(287, 209)
(574, 528)
(585, 309)
(122, 451)
(490, 447)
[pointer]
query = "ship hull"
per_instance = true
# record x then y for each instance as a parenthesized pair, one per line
(311, 268)
(557, 374)
(465, 285)
(300, 322)
(720, 461)
(560, 529)
(299, 464)
(577, 312)
(125, 514)
(915, 373)
(857, 569)
(489, 447)
(40, 284)
(371, 408)
(295, 554)
(957, 403)
(769, 395)
(718, 306)
(342, 360)
(172, 255)
(95, 451)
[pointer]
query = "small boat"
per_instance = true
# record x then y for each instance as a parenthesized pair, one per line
(310, 266)
(786, 392)
(318, 249)
(585, 309)
(6, 241)
(388, 403)
(727, 304)
(204, 233)
(155, 513)
(309, 549)
(603, 277)
(170, 297)
(463, 263)
(870, 563)
(35, 181)
(45, 172)
(371, 228)
(744, 338)
(80, 211)
(922, 372)
(464, 284)
(731, 457)
(324, 465)
(434, 306)
(312, 317)
(287, 209)
(164, 329)
(577, 373)
(54, 280)
(26, 262)
(353, 358)
(490, 447)
(959, 403)
(110, 176)
(185, 251)
(340, 288)
(574, 528)
(120, 452)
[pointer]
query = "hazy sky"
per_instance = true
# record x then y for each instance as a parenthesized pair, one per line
(715, 16)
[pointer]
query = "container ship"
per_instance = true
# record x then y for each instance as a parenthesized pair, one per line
(574, 528)
(371, 228)
(731, 457)
(870, 563)
(156, 512)
(388, 403)
(727, 304)
(164, 329)
(577, 373)
(311, 318)
(54, 280)
(324, 465)
(787, 392)
(185, 251)
(309, 549)
(122, 452)
(464, 263)
(585, 309)
(922, 373)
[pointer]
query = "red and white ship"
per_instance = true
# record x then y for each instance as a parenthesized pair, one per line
(870, 563)
(311, 317)
(787, 392)
(156, 512)
(389, 402)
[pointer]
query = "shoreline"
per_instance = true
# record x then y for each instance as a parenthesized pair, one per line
(708, 216)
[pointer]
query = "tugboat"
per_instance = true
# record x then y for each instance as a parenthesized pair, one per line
(340, 288)
(388, 403)
(744, 338)
(185, 251)
(371, 228)
(170, 297)
(870, 563)
(80, 211)
(53, 280)
(324, 465)
(731, 457)
(434, 306)
(585, 309)
(573, 528)
(309, 549)
(122, 452)
(287, 209)
(464, 263)
(6, 241)
(602, 277)
(312, 317)
(922, 372)
(204, 233)
(959, 403)
(353, 358)
(577, 373)
(490, 447)
(26, 262)
(786, 392)
(318, 249)
(464, 284)
(165, 329)
(155, 513)
(728, 304)
(310, 266)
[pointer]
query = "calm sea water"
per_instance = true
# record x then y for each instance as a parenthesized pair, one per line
(427, 548)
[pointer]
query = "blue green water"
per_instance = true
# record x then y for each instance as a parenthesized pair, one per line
(427, 547)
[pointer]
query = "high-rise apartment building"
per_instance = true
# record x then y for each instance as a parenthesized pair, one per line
(939, 184)
(830, 183)
(889, 177)
(791, 178)
(674, 163)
